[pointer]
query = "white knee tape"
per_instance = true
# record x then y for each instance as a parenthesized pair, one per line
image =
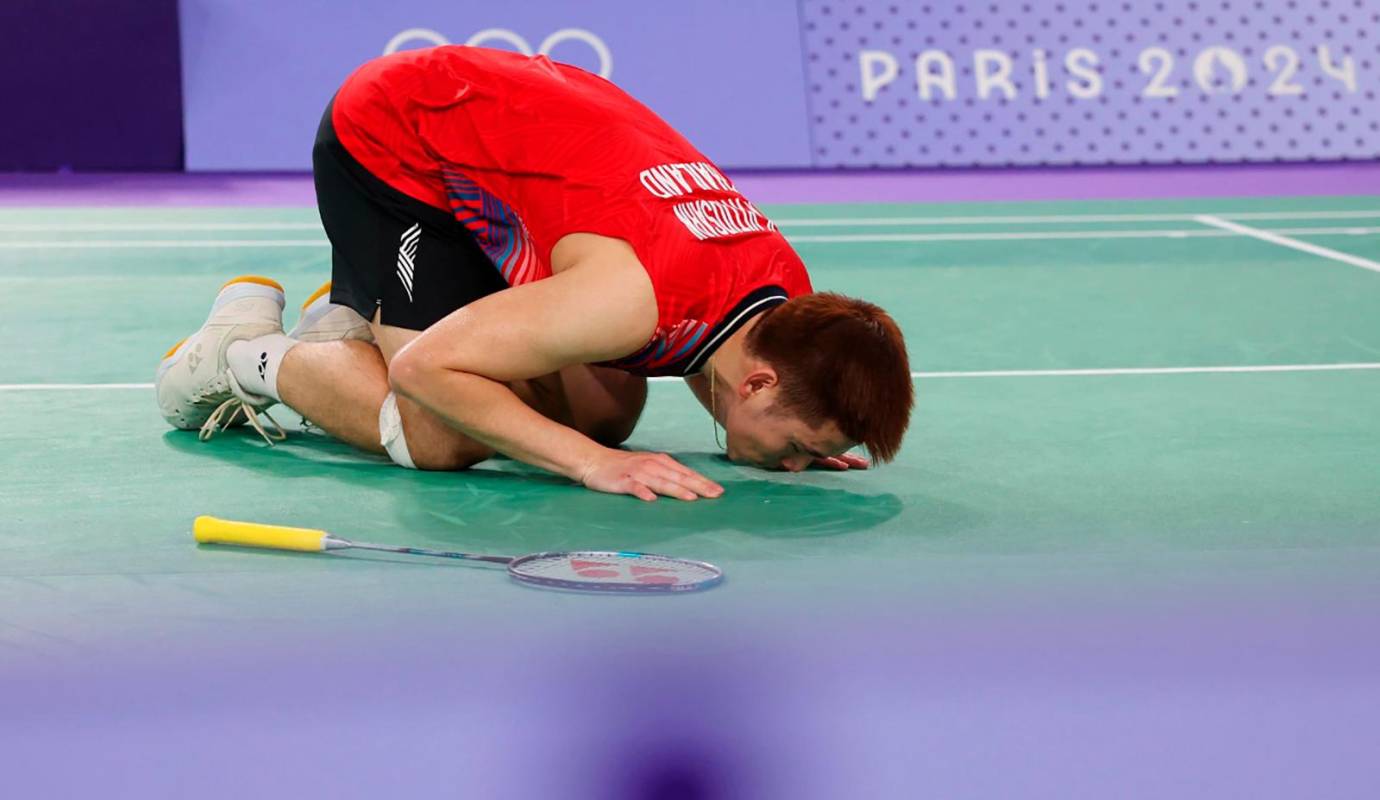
(391, 433)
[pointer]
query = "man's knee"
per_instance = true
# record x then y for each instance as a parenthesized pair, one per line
(611, 418)
(613, 430)
(612, 425)
(450, 459)
(416, 440)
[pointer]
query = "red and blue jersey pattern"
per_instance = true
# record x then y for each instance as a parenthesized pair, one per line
(682, 349)
(496, 226)
(524, 151)
(504, 238)
(667, 347)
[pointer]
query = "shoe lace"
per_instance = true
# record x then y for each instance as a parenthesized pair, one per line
(241, 402)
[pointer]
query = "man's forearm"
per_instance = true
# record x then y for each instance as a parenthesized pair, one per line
(490, 412)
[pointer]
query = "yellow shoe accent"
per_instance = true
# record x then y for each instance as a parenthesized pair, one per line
(324, 321)
(194, 380)
(324, 290)
(262, 281)
(173, 349)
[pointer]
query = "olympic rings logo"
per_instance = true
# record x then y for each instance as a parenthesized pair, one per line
(514, 40)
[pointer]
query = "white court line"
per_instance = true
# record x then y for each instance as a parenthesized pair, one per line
(1275, 237)
(1051, 219)
(30, 227)
(1040, 219)
(69, 387)
(994, 236)
(1001, 373)
(111, 244)
(1080, 373)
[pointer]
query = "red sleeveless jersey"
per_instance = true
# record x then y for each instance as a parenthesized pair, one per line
(524, 151)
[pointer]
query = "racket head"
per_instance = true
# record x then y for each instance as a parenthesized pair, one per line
(614, 571)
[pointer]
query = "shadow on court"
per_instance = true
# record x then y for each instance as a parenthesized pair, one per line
(509, 507)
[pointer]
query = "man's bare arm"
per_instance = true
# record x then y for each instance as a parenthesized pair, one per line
(597, 307)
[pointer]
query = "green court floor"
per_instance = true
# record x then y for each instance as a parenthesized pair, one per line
(1042, 483)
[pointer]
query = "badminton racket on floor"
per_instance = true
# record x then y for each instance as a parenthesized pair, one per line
(581, 570)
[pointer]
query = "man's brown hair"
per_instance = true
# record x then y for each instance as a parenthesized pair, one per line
(841, 360)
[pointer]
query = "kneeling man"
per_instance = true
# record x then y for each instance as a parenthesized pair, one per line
(516, 246)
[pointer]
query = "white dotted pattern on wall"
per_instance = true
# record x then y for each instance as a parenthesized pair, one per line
(957, 83)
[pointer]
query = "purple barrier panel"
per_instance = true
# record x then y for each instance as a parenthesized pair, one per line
(89, 85)
(1057, 82)
(257, 73)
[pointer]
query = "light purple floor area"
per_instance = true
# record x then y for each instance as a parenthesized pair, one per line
(917, 186)
(1271, 698)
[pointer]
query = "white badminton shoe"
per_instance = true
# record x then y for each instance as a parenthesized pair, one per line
(324, 321)
(196, 390)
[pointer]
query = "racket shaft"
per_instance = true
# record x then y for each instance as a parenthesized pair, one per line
(422, 551)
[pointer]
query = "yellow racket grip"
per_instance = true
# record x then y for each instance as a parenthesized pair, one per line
(213, 530)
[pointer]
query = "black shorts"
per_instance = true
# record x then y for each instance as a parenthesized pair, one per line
(411, 262)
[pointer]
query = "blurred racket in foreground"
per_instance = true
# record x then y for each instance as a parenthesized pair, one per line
(583, 570)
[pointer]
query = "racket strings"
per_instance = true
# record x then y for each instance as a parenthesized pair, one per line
(595, 570)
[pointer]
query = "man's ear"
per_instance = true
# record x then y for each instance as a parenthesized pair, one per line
(761, 377)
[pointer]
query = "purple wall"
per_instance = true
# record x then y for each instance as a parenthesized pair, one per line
(726, 73)
(100, 84)
(90, 84)
(1053, 82)
(847, 83)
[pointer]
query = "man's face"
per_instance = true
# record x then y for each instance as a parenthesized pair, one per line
(760, 433)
